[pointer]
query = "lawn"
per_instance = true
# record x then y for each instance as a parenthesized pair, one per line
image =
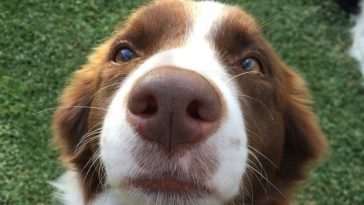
(43, 42)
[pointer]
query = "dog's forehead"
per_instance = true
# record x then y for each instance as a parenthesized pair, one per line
(221, 13)
(175, 22)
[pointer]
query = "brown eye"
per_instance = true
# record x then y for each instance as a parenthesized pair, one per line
(124, 55)
(250, 64)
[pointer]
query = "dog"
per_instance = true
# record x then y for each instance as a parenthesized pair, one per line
(354, 9)
(185, 104)
(357, 33)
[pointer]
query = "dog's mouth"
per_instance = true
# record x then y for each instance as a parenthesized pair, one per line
(169, 186)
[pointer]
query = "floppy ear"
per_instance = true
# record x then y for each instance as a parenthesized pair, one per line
(70, 125)
(304, 140)
(70, 119)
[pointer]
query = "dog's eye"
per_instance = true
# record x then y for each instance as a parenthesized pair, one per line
(250, 64)
(124, 55)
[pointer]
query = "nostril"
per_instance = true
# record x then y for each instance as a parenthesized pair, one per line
(143, 105)
(151, 106)
(193, 110)
(205, 109)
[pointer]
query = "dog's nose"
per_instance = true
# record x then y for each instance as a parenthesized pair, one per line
(174, 106)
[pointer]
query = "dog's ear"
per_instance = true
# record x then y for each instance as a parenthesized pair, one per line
(70, 125)
(304, 140)
(70, 119)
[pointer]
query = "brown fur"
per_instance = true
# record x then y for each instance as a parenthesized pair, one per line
(277, 105)
(280, 121)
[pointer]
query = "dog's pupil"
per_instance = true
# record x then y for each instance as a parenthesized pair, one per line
(248, 64)
(126, 54)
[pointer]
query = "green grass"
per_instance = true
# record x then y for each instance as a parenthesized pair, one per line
(43, 42)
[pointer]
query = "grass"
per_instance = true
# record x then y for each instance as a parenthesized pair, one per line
(43, 42)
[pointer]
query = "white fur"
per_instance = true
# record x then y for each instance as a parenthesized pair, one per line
(69, 189)
(357, 48)
(118, 137)
(70, 192)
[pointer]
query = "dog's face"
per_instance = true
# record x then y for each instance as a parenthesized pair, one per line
(187, 104)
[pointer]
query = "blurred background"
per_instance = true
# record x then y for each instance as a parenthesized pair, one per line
(42, 42)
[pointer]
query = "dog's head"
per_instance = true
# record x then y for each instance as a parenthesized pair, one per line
(188, 104)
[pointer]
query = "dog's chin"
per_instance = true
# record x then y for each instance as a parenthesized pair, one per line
(167, 185)
(168, 190)
(163, 186)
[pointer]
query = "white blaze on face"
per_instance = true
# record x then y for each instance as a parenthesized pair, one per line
(197, 54)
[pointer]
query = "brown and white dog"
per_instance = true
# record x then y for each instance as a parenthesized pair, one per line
(185, 104)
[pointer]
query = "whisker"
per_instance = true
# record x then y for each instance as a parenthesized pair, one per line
(265, 157)
(113, 84)
(84, 139)
(246, 189)
(94, 159)
(262, 170)
(258, 178)
(267, 21)
(80, 106)
(96, 165)
(242, 194)
(270, 183)
(118, 76)
(251, 193)
(69, 107)
(101, 89)
(258, 173)
(88, 162)
(256, 135)
(102, 174)
(90, 139)
(242, 74)
(260, 102)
